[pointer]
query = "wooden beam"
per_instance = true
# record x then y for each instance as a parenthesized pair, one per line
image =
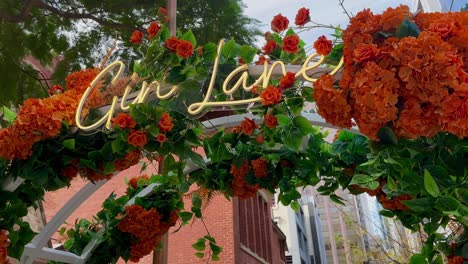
(172, 13)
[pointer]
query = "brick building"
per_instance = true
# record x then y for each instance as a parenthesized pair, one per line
(242, 227)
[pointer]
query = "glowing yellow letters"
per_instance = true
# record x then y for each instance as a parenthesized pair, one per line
(195, 108)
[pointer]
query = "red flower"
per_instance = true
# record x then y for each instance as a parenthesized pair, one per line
(124, 120)
(259, 167)
(291, 44)
(55, 89)
(261, 60)
(323, 46)
(271, 96)
(302, 17)
(137, 37)
(248, 126)
(279, 23)
(270, 121)
(161, 138)
(270, 46)
(260, 139)
(171, 43)
(184, 49)
(129, 160)
(287, 80)
(365, 52)
(165, 124)
(153, 29)
(137, 138)
(70, 172)
(133, 182)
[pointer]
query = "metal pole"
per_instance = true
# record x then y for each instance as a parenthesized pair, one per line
(160, 255)
(172, 13)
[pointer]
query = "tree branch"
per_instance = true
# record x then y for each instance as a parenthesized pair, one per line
(64, 14)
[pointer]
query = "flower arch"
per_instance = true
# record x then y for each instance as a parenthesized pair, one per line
(403, 84)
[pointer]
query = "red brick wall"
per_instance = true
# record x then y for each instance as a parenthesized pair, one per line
(218, 217)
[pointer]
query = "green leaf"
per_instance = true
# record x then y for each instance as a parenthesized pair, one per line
(215, 249)
(200, 245)
(295, 206)
(303, 124)
(387, 136)
(199, 254)
(290, 32)
(408, 29)
(190, 37)
(230, 49)
(210, 52)
(215, 258)
(447, 204)
(69, 144)
(417, 259)
(185, 216)
(283, 120)
(9, 115)
(247, 53)
(419, 204)
(430, 184)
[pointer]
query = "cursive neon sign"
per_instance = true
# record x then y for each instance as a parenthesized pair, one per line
(117, 67)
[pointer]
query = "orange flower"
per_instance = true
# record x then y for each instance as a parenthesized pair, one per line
(261, 60)
(271, 96)
(455, 260)
(331, 103)
(55, 89)
(161, 138)
(171, 43)
(69, 171)
(4, 243)
(260, 139)
(323, 46)
(184, 49)
(80, 80)
(248, 126)
(137, 138)
(416, 119)
(287, 80)
(291, 44)
(270, 46)
(302, 17)
(270, 121)
(241, 171)
(365, 52)
(124, 120)
(279, 23)
(165, 123)
(393, 17)
(259, 167)
(129, 160)
(137, 37)
(133, 182)
(153, 29)
(454, 116)
(239, 187)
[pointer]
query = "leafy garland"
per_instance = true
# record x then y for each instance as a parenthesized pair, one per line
(422, 181)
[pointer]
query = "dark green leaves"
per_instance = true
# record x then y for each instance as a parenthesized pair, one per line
(430, 184)
(407, 29)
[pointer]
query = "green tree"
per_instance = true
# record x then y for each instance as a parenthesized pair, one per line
(80, 31)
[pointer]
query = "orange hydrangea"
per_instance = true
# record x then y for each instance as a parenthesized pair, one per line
(392, 18)
(259, 167)
(239, 187)
(416, 119)
(4, 243)
(331, 103)
(454, 116)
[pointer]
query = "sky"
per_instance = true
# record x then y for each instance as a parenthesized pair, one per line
(322, 11)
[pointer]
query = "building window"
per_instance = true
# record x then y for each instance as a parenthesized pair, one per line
(254, 226)
(289, 260)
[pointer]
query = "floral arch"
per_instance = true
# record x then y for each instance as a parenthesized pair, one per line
(404, 83)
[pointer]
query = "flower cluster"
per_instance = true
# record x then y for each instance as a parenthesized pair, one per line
(40, 119)
(147, 228)
(4, 243)
(389, 74)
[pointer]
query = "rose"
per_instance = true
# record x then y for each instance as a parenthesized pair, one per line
(248, 126)
(161, 138)
(268, 36)
(302, 17)
(291, 44)
(271, 96)
(153, 29)
(165, 123)
(323, 46)
(270, 121)
(171, 43)
(184, 49)
(261, 60)
(279, 23)
(129, 160)
(287, 80)
(260, 139)
(124, 120)
(365, 52)
(137, 138)
(270, 46)
(137, 37)
(259, 167)
(55, 89)
(70, 172)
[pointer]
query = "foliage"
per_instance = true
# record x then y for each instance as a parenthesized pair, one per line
(421, 181)
(73, 34)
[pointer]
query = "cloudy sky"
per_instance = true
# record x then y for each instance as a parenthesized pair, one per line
(323, 11)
